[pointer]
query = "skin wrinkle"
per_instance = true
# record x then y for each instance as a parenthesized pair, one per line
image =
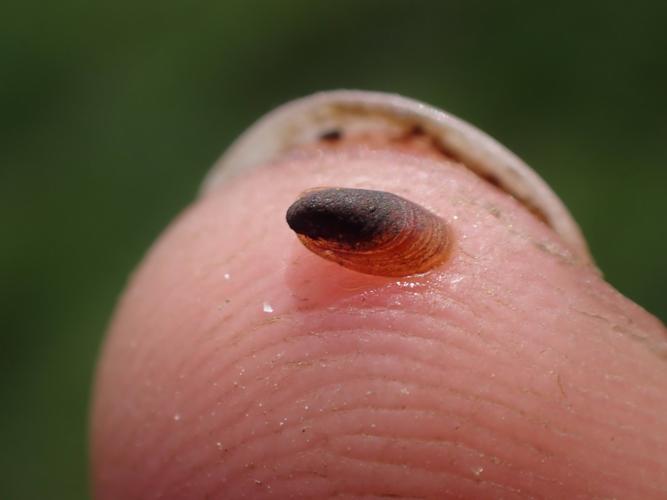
(655, 347)
(221, 375)
(231, 448)
(117, 430)
(323, 452)
(302, 396)
(246, 332)
(629, 354)
(650, 330)
(230, 340)
(436, 444)
(608, 299)
(603, 339)
(256, 329)
(640, 337)
(151, 355)
(338, 455)
(548, 245)
(397, 443)
(320, 452)
(395, 470)
(341, 410)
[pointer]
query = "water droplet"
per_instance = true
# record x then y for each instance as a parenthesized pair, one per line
(227, 276)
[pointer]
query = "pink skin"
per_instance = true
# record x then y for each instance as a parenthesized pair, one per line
(240, 365)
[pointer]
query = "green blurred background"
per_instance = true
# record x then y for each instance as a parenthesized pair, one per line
(111, 113)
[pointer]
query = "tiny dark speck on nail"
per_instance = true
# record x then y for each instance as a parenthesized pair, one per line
(331, 135)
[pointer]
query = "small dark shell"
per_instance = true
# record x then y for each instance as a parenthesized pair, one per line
(372, 232)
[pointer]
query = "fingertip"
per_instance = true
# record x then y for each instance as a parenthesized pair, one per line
(241, 365)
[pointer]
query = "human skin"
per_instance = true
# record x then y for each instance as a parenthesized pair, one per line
(240, 365)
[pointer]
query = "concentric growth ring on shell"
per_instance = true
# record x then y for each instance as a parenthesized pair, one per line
(372, 232)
